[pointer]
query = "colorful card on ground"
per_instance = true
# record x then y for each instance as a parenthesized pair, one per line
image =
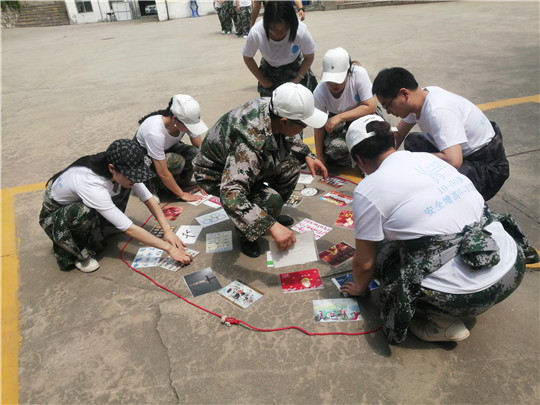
(336, 310)
(212, 218)
(171, 213)
(170, 264)
(219, 242)
(307, 225)
(202, 282)
(293, 201)
(341, 280)
(303, 251)
(240, 294)
(147, 257)
(337, 198)
(201, 201)
(213, 202)
(301, 281)
(189, 233)
(345, 220)
(337, 254)
(334, 181)
(157, 231)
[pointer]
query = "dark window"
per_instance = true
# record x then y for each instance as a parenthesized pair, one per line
(84, 6)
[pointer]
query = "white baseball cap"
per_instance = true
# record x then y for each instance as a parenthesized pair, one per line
(188, 111)
(336, 63)
(357, 132)
(295, 102)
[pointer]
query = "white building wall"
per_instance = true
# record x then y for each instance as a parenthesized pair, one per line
(173, 9)
(100, 10)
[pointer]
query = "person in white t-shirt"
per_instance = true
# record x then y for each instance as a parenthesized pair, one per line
(423, 231)
(257, 8)
(345, 93)
(160, 136)
(286, 46)
(453, 128)
(242, 17)
(91, 193)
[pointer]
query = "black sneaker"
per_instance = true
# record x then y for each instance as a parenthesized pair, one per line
(251, 249)
(285, 220)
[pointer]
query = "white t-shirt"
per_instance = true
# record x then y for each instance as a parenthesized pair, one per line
(244, 3)
(412, 195)
(278, 53)
(447, 119)
(357, 90)
(153, 136)
(82, 184)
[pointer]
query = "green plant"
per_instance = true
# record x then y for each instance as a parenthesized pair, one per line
(13, 5)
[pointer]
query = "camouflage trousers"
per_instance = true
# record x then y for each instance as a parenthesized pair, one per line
(335, 149)
(179, 160)
(225, 16)
(401, 265)
(242, 21)
(75, 229)
(487, 168)
(284, 74)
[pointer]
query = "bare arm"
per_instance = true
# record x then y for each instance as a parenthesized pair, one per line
(255, 9)
(363, 265)
(368, 106)
(319, 143)
(301, 13)
(304, 67)
(255, 71)
(452, 155)
(197, 141)
(167, 178)
(403, 129)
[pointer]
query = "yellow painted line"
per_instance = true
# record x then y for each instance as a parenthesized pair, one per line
(509, 102)
(9, 265)
(11, 337)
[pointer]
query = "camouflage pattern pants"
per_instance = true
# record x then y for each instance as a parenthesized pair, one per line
(487, 168)
(75, 229)
(335, 149)
(225, 16)
(284, 74)
(179, 160)
(242, 21)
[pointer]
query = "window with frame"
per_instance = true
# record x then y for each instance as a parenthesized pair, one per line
(84, 6)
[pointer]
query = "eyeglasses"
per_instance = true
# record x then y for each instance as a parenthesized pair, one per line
(299, 123)
(387, 106)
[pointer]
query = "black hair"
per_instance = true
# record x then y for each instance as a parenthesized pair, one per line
(98, 163)
(372, 147)
(389, 81)
(280, 12)
(166, 112)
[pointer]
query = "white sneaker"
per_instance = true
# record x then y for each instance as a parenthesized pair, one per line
(88, 265)
(435, 329)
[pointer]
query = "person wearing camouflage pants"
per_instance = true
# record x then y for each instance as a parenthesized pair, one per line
(423, 231)
(251, 159)
(242, 17)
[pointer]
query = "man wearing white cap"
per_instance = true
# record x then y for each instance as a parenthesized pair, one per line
(422, 230)
(251, 159)
(345, 93)
(160, 136)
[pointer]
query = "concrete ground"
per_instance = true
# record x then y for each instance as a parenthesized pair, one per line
(114, 337)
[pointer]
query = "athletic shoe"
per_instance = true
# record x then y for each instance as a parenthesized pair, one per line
(439, 329)
(88, 265)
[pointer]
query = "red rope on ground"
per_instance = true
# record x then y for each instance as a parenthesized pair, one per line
(231, 320)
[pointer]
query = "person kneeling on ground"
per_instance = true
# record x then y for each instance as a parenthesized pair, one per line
(101, 184)
(251, 159)
(423, 230)
(160, 137)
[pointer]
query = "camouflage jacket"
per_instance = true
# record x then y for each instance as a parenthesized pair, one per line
(239, 152)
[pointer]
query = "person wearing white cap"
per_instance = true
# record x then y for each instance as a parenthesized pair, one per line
(160, 136)
(286, 46)
(423, 231)
(251, 159)
(345, 93)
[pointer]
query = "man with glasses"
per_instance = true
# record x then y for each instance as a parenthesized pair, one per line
(453, 128)
(251, 159)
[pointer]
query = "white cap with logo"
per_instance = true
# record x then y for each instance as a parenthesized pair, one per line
(188, 111)
(336, 64)
(295, 102)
